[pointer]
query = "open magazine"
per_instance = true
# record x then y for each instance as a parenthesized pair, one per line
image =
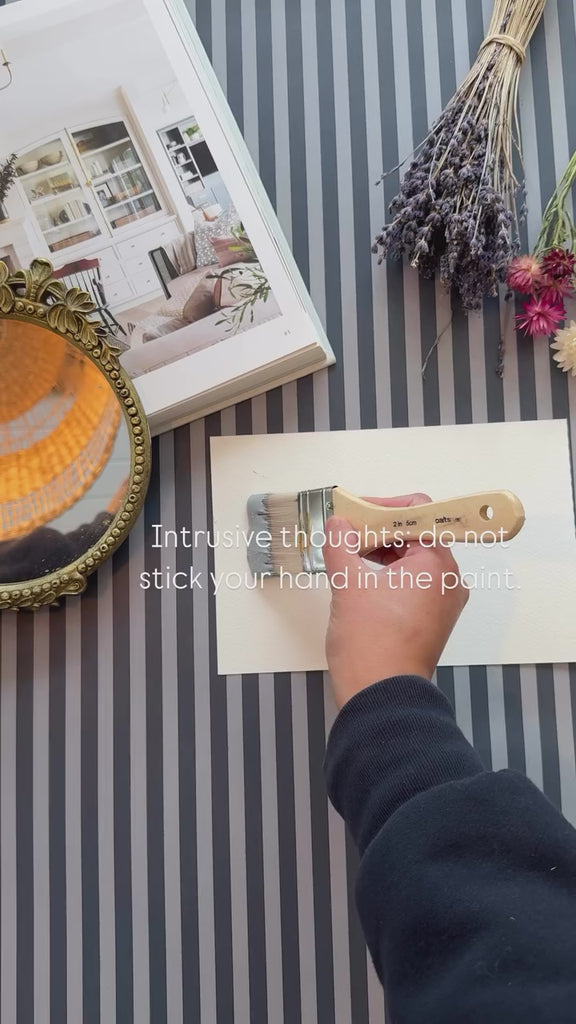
(133, 179)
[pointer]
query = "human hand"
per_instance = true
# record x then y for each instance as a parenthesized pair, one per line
(390, 626)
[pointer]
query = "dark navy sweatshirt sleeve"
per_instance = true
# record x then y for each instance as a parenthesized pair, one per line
(467, 882)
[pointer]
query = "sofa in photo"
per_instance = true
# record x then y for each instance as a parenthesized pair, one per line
(214, 287)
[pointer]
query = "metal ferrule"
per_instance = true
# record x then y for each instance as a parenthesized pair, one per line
(314, 508)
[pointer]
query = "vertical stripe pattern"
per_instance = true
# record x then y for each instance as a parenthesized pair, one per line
(167, 851)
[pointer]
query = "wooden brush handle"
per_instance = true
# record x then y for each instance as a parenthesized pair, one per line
(493, 512)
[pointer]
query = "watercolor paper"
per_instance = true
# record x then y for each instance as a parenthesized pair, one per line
(277, 629)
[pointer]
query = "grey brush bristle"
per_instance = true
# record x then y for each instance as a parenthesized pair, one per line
(259, 554)
(284, 528)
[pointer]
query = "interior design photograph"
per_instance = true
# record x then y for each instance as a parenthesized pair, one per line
(115, 184)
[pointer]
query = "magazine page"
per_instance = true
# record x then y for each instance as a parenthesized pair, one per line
(134, 181)
(222, 113)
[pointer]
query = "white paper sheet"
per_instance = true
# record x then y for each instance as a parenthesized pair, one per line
(277, 629)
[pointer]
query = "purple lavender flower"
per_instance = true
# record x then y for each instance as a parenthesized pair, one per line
(459, 205)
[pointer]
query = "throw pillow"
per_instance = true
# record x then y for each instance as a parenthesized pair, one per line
(172, 307)
(201, 301)
(204, 233)
(158, 326)
(226, 290)
(224, 252)
(171, 310)
(185, 252)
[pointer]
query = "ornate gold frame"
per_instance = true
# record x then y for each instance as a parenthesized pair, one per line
(36, 297)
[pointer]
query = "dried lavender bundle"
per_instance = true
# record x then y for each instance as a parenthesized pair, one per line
(456, 212)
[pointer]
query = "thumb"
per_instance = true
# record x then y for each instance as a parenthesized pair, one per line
(340, 547)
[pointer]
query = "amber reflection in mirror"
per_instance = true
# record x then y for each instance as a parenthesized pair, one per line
(64, 452)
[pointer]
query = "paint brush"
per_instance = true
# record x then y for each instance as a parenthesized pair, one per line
(287, 531)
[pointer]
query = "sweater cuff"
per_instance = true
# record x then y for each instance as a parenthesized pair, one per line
(391, 741)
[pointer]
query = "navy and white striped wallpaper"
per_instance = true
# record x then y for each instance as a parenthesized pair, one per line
(167, 853)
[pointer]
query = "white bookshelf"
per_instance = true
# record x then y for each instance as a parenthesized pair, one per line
(89, 194)
(191, 160)
(86, 183)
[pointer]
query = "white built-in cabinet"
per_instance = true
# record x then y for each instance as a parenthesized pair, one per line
(91, 194)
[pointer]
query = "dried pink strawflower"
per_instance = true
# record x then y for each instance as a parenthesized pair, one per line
(559, 263)
(524, 275)
(540, 316)
(556, 289)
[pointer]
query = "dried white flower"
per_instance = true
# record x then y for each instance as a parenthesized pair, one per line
(565, 345)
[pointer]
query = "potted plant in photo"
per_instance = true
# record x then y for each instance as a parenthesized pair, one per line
(7, 175)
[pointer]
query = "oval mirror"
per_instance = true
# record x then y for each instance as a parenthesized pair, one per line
(74, 442)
